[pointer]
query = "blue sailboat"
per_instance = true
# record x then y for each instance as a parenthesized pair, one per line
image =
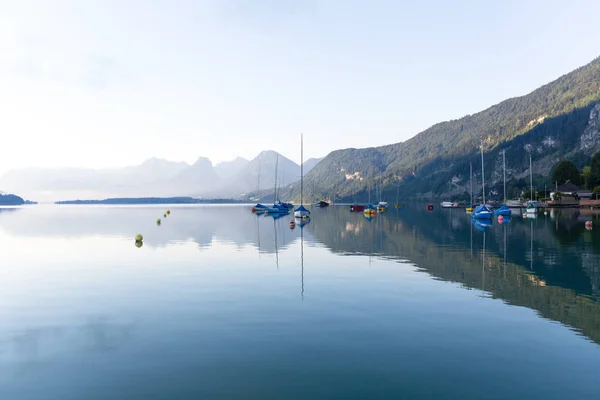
(301, 212)
(504, 210)
(276, 208)
(482, 211)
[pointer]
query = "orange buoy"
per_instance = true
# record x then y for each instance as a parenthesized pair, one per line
(588, 225)
(429, 207)
(292, 225)
(500, 218)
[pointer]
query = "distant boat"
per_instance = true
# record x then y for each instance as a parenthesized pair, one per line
(381, 206)
(504, 210)
(286, 205)
(531, 206)
(276, 208)
(321, 203)
(448, 204)
(482, 211)
(398, 205)
(370, 210)
(470, 208)
(301, 212)
(258, 208)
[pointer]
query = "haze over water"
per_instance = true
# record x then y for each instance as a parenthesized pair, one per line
(219, 302)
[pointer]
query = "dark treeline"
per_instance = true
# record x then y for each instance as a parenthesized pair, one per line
(152, 200)
(11, 200)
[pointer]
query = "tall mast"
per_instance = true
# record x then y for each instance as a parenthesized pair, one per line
(276, 166)
(530, 179)
(482, 173)
(504, 168)
(301, 165)
(258, 178)
(471, 179)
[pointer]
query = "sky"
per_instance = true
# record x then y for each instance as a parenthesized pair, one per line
(105, 83)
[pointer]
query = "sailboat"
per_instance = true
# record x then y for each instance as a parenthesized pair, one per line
(370, 210)
(482, 211)
(258, 207)
(531, 208)
(398, 205)
(504, 210)
(301, 212)
(277, 208)
(470, 208)
(382, 206)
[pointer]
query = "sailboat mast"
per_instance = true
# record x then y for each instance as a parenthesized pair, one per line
(276, 167)
(504, 169)
(482, 173)
(471, 179)
(258, 178)
(301, 166)
(530, 179)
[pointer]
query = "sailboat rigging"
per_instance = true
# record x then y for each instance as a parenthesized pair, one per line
(482, 211)
(302, 212)
(504, 210)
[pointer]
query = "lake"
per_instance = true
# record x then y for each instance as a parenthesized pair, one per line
(221, 303)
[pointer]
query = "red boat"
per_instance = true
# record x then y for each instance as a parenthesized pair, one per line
(357, 208)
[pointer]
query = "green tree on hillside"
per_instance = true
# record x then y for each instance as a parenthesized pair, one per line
(566, 171)
(585, 176)
(594, 178)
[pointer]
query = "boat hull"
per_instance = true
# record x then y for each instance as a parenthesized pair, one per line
(504, 211)
(275, 210)
(482, 215)
(301, 214)
(357, 208)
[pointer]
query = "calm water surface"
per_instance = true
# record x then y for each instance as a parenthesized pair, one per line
(221, 303)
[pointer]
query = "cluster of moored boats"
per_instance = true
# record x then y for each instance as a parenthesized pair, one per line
(487, 211)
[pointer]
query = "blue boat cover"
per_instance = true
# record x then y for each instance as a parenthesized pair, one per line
(480, 208)
(301, 208)
(504, 211)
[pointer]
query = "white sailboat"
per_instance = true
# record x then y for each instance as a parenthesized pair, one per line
(531, 206)
(301, 212)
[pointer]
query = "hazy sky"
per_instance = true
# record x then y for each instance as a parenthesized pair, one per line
(111, 83)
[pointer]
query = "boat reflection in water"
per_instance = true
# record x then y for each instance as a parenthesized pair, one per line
(513, 300)
(481, 224)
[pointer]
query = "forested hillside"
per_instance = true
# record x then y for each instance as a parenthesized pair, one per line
(549, 123)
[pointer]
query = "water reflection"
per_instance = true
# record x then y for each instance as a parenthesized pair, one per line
(550, 264)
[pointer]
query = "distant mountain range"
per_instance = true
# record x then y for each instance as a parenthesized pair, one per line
(156, 178)
(559, 120)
